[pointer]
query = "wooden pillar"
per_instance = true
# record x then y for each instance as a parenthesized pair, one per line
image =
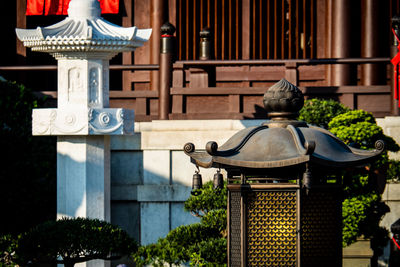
(246, 29)
(370, 42)
(166, 60)
(328, 40)
(20, 50)
(341, 42)
(171, 12)
(127, 21)
(21, 23)
(157, 18)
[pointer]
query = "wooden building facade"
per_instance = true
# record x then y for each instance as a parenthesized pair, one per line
(330, 48)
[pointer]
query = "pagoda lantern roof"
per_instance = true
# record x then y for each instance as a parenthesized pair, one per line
(83, 30)
(282, 141)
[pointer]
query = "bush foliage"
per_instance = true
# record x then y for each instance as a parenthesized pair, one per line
(359, 127)
(362, 206)
(28, 165)
(70, 241)
(393, 174)
(320, 112)
(201, 244)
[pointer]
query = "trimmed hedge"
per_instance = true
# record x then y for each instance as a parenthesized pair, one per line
(28, 165)
(72, 240)
(201, 244)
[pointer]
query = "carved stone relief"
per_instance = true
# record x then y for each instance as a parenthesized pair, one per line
(75, 83)
(113, 121)
(94, 87)
(61, 122)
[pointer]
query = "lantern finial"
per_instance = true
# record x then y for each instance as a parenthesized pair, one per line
(283, 100)
(84, 9)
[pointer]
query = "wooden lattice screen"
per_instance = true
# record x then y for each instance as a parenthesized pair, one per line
(277, 29)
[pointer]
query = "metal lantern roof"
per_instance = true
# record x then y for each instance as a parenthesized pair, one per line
(282, 141)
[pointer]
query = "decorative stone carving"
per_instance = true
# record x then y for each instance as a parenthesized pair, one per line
(108, 121)
(59, 122)
(111, 121)
(94, 86)
(75, 83)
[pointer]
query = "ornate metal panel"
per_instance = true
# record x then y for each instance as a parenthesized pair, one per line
(234, 228)
(271, 228)
(321, 243)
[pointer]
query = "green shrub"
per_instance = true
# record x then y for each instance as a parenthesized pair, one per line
(72, 240)
(362, 207)
(7, 250)
(359, 127)
(362, 211)
(320, 112)
(28, 169)
(206, 200)
(393, 173)
(201, 244)
(215, 219)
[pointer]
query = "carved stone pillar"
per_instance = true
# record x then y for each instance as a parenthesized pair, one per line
(83, 44)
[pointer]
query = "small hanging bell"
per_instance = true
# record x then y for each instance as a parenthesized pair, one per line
(218, 181)
(197, 183)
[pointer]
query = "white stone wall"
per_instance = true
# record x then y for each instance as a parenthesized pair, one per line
(151, 176)
(391, 195)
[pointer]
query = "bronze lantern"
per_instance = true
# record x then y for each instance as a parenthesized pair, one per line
(284, 186)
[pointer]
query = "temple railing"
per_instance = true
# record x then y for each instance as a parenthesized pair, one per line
(233, 89)
(213, 89)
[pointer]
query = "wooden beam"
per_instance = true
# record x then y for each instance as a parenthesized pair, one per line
(321, 90)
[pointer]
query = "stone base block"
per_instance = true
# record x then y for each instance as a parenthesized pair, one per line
(358, 254)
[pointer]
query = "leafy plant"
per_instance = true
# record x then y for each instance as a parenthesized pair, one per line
(201, 244)
(72, 240)
(320, 112)
(28, 171)
(393, 173)
(359, 127)
(362, 206)
(7, 250)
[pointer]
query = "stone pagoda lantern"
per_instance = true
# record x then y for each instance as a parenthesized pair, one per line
(83, 43)
(284, 186)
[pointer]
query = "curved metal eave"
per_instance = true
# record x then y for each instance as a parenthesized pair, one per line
(362, 158)
(339, 164)
(203, 159)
